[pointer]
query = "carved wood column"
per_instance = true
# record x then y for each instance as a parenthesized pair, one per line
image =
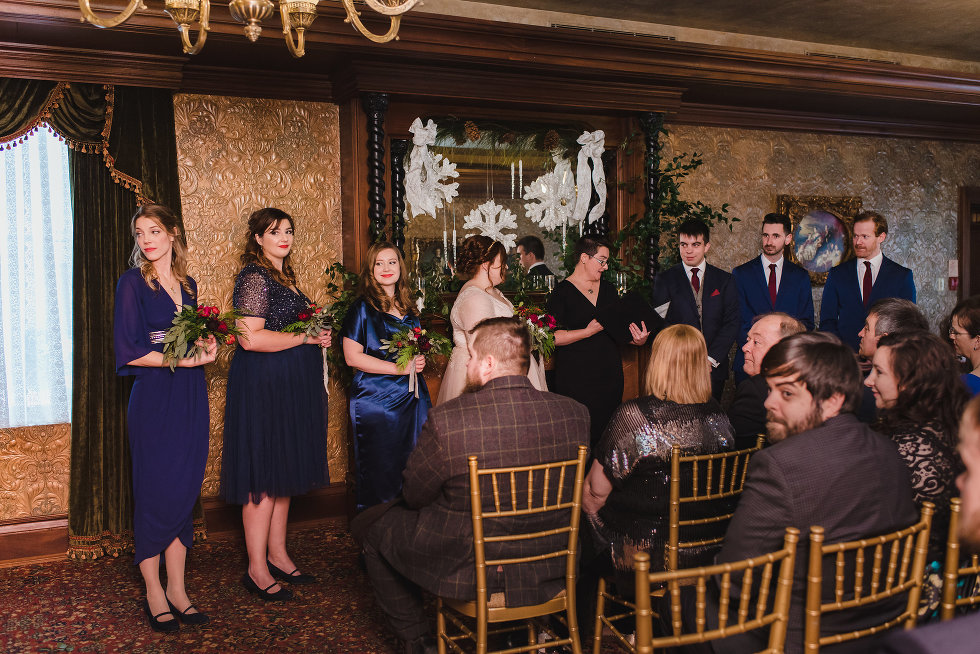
(375, 106)
(652, 123)
(399, 148)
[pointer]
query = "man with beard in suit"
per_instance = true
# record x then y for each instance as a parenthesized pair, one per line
(853, 286)
(960, 636)
(425, 539)
(703, 296)
(824, 468)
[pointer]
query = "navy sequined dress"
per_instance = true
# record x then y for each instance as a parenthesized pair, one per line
(275, 441)
(635, 454)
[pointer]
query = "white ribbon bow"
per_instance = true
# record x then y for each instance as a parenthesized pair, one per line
(593, 144)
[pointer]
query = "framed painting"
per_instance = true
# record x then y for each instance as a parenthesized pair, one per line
(822, 229)
(428, 254)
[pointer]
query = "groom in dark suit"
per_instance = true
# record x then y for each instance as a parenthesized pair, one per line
(824, 468)
(853, 286)
(770, 283)
(698, 294)
(425, 540)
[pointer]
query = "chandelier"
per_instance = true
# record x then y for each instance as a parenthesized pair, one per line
(296, 15)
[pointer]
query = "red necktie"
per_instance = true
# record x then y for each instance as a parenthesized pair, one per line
(866, 288)
(695, 282)
(772, 284)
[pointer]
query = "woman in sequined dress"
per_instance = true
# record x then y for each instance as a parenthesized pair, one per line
(920, 398)
(167, 417)
(627, 489)
(275, 439)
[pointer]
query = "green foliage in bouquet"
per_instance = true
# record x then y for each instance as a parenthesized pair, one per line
(190, 324)
(541, 327)
(410, 343)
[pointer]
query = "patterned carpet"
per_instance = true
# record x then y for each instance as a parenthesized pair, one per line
(68, 606)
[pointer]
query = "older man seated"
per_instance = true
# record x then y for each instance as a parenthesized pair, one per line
(747, 415)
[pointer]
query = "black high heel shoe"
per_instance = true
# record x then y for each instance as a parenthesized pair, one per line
(194, 619)
(164, 627)
(280, 595)
(294, 577)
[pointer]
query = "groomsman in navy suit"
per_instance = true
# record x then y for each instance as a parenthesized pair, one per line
(856, 284)
(700, 295)
(770, 283)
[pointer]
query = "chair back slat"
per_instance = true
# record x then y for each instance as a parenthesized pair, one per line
(907, 548)
(702, 483)
(755, 574)
(958, 571)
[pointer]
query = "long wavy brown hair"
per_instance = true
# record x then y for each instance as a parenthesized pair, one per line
(259, 223)
(371, 290)
(929, 386)
(167, 221)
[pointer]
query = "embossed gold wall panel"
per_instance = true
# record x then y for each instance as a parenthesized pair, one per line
(34, 471)
(913, 183)
(236, 155)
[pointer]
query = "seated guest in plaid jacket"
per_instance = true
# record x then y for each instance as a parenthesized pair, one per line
(425, 539)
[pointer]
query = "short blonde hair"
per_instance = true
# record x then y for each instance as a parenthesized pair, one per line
(679, 370)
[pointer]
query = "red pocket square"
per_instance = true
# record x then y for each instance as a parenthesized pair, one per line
(715, 292)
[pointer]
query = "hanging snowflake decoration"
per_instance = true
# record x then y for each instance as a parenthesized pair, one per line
(424, 188)
(552, 196)
(491, 219)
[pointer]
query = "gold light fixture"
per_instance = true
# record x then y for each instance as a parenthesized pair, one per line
(297, 15)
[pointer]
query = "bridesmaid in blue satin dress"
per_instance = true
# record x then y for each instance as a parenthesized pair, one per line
(386, 417)
(168, 412)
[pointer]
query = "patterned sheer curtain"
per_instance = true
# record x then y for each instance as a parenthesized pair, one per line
(35, 283)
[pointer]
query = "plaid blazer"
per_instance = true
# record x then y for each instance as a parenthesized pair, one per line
(429, 537)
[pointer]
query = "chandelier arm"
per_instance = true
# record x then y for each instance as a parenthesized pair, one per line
(89, 16)
(297, 49)
(353, 17)
(202, 35)
(387, 10)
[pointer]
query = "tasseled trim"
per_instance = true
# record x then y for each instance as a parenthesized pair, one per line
(86, 147)
(90, 548)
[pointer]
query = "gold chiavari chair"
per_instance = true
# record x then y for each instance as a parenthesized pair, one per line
(897, 562)
(953, 571)
(752, 576)
(523, 492)
(707, 484)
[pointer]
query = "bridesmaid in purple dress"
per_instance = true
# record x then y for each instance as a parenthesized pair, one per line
(168, 412)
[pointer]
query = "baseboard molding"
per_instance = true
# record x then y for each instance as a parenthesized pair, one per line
(23, 542)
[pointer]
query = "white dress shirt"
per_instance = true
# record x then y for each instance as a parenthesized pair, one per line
(875, 267)
(779, 269)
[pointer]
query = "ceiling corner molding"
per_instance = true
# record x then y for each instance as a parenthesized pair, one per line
(101, 67)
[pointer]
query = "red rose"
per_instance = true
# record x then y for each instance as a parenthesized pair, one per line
(223, 327)
(425, 347)
(417, 330)
(304, 315)
(230, 340)
(399, 345)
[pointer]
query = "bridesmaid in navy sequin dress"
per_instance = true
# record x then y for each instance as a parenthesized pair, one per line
(275, 440)
(386, 417)
(168, 412)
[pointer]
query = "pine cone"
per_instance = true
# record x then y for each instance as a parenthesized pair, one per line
(552, 141)
(508, 138)
(472, 131)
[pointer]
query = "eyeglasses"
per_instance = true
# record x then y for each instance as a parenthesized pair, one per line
(603, 263)
(953, 333)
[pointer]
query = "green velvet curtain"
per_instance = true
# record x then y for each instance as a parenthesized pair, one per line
(123, 152)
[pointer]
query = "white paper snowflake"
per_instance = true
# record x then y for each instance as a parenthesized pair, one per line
(491, 219)
(424, 174)
(552, 196)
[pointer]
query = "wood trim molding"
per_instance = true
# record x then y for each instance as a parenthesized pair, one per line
(23, 542)
(99, 67)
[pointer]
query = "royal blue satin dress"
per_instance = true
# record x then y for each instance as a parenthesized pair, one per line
(276, 406)
(386, 417)
(167, 419)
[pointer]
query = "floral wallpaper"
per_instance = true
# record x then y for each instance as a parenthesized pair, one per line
(913, 183)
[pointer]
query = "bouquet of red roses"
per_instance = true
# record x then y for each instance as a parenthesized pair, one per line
(541, 326)
(191, 324)
(311, 321)
(410, 343)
